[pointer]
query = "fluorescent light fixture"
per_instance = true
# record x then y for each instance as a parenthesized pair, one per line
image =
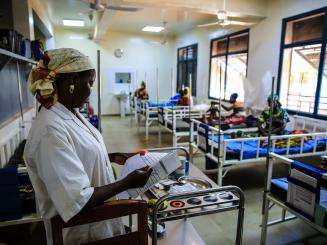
(73, 23)
(153, 28)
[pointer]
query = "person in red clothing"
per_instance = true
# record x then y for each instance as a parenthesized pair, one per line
(186, 98)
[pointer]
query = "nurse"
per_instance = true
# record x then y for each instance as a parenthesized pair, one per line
(66, 157)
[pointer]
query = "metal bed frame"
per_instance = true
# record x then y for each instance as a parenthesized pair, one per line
(133, 107)
(218, 152)
(269, 201)
(143, 112)
(236, 204)
(170, 117)
(147, 113)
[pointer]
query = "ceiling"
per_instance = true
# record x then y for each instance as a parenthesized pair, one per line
(68, 9)
(181, 15)
(177, 20)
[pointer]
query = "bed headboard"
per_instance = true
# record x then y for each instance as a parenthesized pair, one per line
(310, 124)
(9, 143)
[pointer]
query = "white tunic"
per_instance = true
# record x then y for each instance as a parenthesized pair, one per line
(66, 158)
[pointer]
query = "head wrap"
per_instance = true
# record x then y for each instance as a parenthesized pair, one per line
(233, 96)
(186, 92)
(274, 98)
(54, 62)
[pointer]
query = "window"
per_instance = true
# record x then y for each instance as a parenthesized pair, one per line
(303, 70)
(228, 65)
(187, 67)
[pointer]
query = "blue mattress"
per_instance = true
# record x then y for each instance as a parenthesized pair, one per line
(170, 103)
(161, 104)
(250, 148)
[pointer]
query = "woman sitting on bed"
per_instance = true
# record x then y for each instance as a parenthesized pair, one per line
(279, 118)
(186, 99)
(141, 93)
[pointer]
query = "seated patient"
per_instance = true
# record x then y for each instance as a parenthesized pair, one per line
(186, 99)
(213, 113)
(141, 93)
(235, 106)
(279, 118)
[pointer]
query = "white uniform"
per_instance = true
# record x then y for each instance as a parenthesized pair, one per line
(66, 158)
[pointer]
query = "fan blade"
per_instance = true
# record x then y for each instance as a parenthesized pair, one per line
(209, 24)
(122, 8)
(240, 23)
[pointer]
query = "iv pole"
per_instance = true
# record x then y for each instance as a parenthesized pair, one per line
(99, 90)
(219, 181)
(157, 82)
(271, 108)
(172, 81)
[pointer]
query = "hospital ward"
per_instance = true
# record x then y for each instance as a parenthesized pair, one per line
(163, 122)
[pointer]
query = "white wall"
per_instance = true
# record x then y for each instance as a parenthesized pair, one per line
(202, 37)
(265, 38)
(141, 52)
(264, 45)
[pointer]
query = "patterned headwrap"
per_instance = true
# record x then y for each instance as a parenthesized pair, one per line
(54, 62)
(274, 99)
(186, 92)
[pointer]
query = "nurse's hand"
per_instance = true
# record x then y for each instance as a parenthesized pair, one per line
(138, 178)
(120, 158)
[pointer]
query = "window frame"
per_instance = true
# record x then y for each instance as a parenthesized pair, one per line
(194, 59)
(323, 53)
(228, 36)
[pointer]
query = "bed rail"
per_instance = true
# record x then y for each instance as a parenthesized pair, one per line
(286, 138)
(308, 123)
(168, 117)
(203, 141)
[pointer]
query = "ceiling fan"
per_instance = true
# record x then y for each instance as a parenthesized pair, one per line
(224, 20)
(98, 5)
(164, 40)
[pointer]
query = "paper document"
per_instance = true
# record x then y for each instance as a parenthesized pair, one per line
(162, 164)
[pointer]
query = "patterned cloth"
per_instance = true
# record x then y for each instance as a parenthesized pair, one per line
(279, 115)
(54, 62)
(141, 93)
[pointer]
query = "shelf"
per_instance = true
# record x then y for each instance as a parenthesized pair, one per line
(16, 56)
(28, 218)
(297, 214)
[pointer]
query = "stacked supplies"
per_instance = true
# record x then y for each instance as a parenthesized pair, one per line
(307, 190)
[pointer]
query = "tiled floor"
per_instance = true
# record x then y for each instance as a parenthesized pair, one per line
(122, 136)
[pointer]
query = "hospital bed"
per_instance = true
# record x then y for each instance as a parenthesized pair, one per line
(133, 107)
(147, 111)
(176, 120)
(239, 151)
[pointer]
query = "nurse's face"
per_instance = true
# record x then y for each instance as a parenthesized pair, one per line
(83, 87)
(81, 82)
